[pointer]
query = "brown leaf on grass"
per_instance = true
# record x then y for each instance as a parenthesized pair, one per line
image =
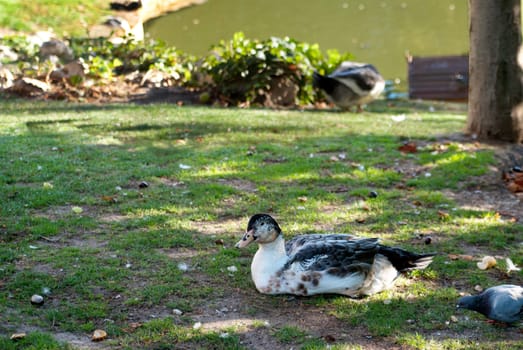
(409, 147)
(110, 199)
(442, 214)
(514, 187)
(460, 257)
(514, 181)
(133, 326)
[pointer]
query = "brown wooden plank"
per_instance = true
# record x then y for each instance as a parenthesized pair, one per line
(438, 77)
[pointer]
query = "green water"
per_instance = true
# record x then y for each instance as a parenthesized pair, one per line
(375, 31)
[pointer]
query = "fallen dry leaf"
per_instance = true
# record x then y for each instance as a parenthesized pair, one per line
(409, 147)
(135, 325)
(514, 181)
(460, 257)
(110, 199)
(443, 214)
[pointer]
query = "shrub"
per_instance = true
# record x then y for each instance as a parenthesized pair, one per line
(243, 69)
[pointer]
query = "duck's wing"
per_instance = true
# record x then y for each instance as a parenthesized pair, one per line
(334, 254)
(297, 242)
(365, 76)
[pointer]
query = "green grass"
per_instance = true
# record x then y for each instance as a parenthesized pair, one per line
(64, 17)
(75, 222)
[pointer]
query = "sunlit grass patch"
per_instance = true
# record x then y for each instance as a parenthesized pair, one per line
(124, 212)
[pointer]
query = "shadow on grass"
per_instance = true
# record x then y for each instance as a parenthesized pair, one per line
(174, 211)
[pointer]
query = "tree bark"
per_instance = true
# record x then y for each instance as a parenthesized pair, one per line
(495, 87)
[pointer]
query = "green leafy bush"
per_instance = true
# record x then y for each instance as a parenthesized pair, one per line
(243, 69)
(106, 58)
(235, 71)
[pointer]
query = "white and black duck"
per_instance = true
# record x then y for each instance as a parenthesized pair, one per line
(503, 303)
(351, 84)
(323, 263)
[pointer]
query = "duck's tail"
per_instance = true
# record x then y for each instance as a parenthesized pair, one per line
(324, 83)
(404, 260)
(317, 79)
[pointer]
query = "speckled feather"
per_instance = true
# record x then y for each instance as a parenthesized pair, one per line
(323, 263)
(336, 255)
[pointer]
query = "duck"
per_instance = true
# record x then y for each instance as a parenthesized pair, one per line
(351, 84)
(502, 303)
(331, 263)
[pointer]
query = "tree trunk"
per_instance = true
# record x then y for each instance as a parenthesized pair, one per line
(495, 88)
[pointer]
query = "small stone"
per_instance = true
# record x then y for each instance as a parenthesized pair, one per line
(197, 325)
(517, 169)
(453, 319)
(219, 242)
(177, 312)
(183, 267)
(232, 268)
(373, 194)
(143, 184)
(99, 335)
(478, 288)
(428, 240)
(37, 299)
(224, 335)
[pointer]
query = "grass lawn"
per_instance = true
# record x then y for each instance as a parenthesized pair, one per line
(124, 218)
(65, 17)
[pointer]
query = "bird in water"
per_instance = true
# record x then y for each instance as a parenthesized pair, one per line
(351, 84)
(503, 303)
(323, 263)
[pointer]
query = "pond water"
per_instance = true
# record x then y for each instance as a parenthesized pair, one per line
(376, 31)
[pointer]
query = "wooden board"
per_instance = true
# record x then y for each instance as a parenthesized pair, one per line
(438, 78)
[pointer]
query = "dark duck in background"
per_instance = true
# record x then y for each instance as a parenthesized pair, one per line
(351, 84)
